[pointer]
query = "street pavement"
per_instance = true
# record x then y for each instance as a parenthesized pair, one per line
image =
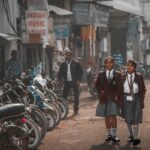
(87, 132)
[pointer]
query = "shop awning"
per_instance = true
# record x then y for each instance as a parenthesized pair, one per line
(8, 37)
(59, 11)
(133, 7)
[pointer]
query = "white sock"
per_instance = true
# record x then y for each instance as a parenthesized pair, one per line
(109, 131)
(135, 131)
(113, 130)
(130, 129)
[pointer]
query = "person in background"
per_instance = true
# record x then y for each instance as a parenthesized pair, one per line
(31, 72)
(141, 69)
(12, 65)
(57, 60)
(131, 100)
(107, 87)
(89, 74)
(71, 72)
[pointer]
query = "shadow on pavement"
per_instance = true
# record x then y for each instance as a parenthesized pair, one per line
(71, 117)
(129, 147)
(106, 146)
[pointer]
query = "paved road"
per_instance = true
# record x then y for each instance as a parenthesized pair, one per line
(87, 132)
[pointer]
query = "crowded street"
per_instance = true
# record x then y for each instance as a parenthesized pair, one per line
(87, 132)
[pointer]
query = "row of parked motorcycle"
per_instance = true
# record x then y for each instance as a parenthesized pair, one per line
(29, 107)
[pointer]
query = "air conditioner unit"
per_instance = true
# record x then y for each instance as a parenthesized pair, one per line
(146, 44)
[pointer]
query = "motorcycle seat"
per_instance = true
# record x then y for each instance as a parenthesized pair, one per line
(11, 110)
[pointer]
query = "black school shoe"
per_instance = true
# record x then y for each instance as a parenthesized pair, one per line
(109, 138)
(115, 139)
(130, 139)
(136, 141)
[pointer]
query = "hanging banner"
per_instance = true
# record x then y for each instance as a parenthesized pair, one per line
(133, 25)
(88, 32)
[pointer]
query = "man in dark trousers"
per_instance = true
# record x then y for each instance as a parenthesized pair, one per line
(71, 72)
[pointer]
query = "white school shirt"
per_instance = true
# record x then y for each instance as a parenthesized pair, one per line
(126, 84)
(69, 78)
(111, 73)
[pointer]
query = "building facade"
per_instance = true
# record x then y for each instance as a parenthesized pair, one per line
(146, 34)
(91, 36)
(92, 29)
(125, 26)
(9, 31)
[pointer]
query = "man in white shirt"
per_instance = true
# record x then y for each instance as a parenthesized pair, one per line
(71, 72)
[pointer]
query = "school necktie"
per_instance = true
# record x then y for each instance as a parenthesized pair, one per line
(131, 84)
(109, 76)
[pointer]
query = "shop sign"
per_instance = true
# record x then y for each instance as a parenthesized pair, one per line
(61, 31)
(82, 13)
(100, 16)
(37, 22)
(91, 14)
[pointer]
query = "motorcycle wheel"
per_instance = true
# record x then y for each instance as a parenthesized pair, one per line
(18, 138)
(39, 118)
(63, 106)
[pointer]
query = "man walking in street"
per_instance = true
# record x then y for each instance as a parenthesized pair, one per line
(71, 72)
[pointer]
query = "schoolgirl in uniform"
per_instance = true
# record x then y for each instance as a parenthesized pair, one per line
(107, 88)
(131, 95)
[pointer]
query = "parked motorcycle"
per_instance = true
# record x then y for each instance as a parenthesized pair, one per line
(12, 136)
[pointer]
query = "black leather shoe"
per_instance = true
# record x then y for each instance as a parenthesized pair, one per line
(136, 141)
(130, 139)
(115, 139)
(76, 109)
(109, 138)
(76, 113)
